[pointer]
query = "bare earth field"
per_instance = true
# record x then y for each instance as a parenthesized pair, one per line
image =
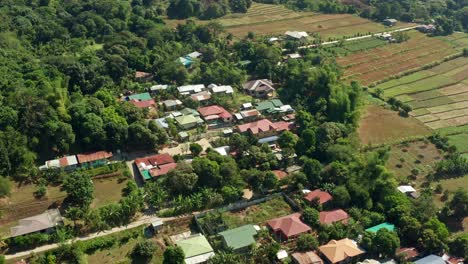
(266, 19)
(379, 125)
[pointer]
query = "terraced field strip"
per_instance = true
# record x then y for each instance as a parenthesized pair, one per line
(267, 19)
(376, 64)
(460, 142)
(438, 96)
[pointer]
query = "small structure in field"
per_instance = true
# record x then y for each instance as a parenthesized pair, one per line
(296, 35)
(390, 22)
(42, 223)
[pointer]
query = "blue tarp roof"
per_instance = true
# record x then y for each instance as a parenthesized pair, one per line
(268, 139)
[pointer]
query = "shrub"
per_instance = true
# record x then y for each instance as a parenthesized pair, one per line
(307, 242)
(144, 249)
(5, 187)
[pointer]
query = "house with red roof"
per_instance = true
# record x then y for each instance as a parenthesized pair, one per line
(280, 174)
(319, 196)
(155, 166)
(94, 159)
(215, 114)
(330, 217)
(264, 128)
(288, 227)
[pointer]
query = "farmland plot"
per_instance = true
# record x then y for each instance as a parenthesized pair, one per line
(267, 19)
(383, 62)
(438, 96)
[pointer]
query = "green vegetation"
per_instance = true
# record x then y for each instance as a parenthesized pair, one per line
(257, 214)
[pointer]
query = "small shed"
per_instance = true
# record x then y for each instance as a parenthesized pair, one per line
(157, 225)
(390, 22)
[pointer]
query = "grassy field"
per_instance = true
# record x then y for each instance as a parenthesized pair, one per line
(438, 96)
(379, 125)
(266, 19)
(380, 63)
(257, 214)
(108, 190)
(460, 141)
(418, 155)
(122, 253)
(22, 203)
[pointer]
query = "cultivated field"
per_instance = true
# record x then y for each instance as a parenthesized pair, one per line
(418, 155)
(379, 125)
(438, 96)
(378, 64)
(266, 19)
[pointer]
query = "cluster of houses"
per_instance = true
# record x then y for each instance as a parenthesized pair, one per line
(287, 229)
(85, 160)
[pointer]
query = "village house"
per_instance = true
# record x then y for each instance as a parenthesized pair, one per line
(340, 251)
(141, 76)
(67, 163)
(280, 174)
(42, 223)
(288, 227)
(330, 217)
(187, 118)
(191, 89)
(272, 107)
(239, 239)
(141, 100)
(296, 35)
(408, 190)
(215, 115)
(259, 88)
(248, 115)
(318, 196)
(426, 28)
(196, 249)
(201, 97)
(309, 257)
(264, 128)
(171, 105)
(222, 89)
(189, 59)
(155, 166)
(94, 159)
(374, 229)
(408, 253)
(158, 88)
(431, 259)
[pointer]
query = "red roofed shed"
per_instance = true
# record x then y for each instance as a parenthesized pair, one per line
(288, 227)
(330, 217)
(323, 197)
(93, 159)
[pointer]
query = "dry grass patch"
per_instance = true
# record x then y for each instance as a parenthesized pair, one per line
(379, 125)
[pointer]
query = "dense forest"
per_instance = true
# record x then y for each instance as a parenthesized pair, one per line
(64, 65)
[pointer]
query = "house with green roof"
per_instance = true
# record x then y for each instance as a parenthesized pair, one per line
(273, 106)
(388, 226)
(188, 121)
(196, 249)
(239, 239)
(139, 97)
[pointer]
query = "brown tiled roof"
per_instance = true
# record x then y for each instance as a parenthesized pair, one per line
(162, 169)
(329, 217)
(289, 225)
(143, 104)
(263, 125)
(322, 196)
(409, 253)
(280, 174)
(140, 74)
(339, 250)
(309, 257)
(88, 157)
(158, 159)
(215, 110)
